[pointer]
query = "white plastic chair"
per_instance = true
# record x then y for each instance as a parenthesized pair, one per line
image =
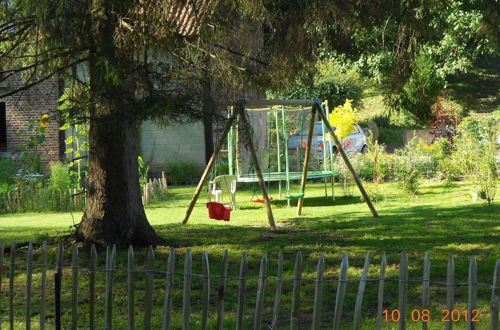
(224, 184)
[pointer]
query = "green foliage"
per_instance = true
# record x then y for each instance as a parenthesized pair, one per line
(60, 180)
(332, 82)
(143, 171)
(181, 173)
(7, 170)
(30, 156)
(474, 156)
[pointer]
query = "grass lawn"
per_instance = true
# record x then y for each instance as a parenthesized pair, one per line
(441, 220)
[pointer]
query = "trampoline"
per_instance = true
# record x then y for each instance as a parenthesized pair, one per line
(282, 176)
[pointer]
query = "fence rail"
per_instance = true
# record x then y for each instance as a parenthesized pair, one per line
(272, 315)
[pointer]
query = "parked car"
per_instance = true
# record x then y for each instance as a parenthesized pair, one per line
(356, 142)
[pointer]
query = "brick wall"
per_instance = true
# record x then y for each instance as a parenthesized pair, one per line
(32, 104)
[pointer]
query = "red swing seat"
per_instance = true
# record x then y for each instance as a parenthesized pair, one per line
(219, 211)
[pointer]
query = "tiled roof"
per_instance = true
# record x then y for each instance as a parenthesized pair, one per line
(187, 16)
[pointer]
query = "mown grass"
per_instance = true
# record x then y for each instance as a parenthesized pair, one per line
(441, 220)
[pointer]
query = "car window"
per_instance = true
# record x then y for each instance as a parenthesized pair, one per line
(318, 130)
(355, 130)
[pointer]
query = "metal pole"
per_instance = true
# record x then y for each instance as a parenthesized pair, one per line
(306, 160)
(230, 146)
(330, 148)
(210, 164)
(275, 113)
(258, 171)
(287, 161)
(347, 162)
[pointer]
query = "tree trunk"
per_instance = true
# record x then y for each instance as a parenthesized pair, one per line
(114, 213)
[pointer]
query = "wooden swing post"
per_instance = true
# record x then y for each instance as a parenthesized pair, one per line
(258, 171)
(347, 162)
(303, 182)
(210, 164)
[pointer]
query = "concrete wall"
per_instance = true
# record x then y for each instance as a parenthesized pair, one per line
(177, 143)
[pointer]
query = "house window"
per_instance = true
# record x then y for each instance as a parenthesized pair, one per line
(3, 128)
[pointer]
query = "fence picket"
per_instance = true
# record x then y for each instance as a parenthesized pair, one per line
(339, 300)
(130, 288)
(361, 292)
(29, 279)
(472, 292)
(148, 295)
(403, 289)
(450, 289)
(318, 292)
(206, 290)
(221, 291)
(74, 288)
(186, 296)
(1, 274)
(169, 290)
(11, 284)
(43, 286)
(297, 281)
(261, 287)
(277, 294)
(495, 296)
(92, 297)
(425, 285)
(108, 301)
(241, 291)
(59, 277)
(380, 298)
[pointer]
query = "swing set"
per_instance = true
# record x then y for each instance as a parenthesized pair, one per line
(278, 150)
(239, 115)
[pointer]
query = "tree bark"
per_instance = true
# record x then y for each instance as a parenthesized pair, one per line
(114, 213)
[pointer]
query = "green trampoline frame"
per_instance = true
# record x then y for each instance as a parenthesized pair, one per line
(282, 176)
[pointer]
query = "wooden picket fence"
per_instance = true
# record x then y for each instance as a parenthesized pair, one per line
(149, 271)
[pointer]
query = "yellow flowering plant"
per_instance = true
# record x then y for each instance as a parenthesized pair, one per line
(343, 119)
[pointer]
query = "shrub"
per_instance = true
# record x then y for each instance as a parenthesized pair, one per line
(343, 118)
(59, 177)
(474, 156)
(6, 170)
(407, 170)
(184, 172)
(143, 171)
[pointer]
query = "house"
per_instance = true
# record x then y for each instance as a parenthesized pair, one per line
(31, 104)
(157, 144)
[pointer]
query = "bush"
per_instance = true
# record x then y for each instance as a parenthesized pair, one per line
(59, 177)
(7, 171)
(181, 173)
(407, 170)
(475, 156)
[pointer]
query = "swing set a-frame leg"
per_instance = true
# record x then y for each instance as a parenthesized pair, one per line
(258, 171)
(347, 162)
(210, 164)
(307, 158)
